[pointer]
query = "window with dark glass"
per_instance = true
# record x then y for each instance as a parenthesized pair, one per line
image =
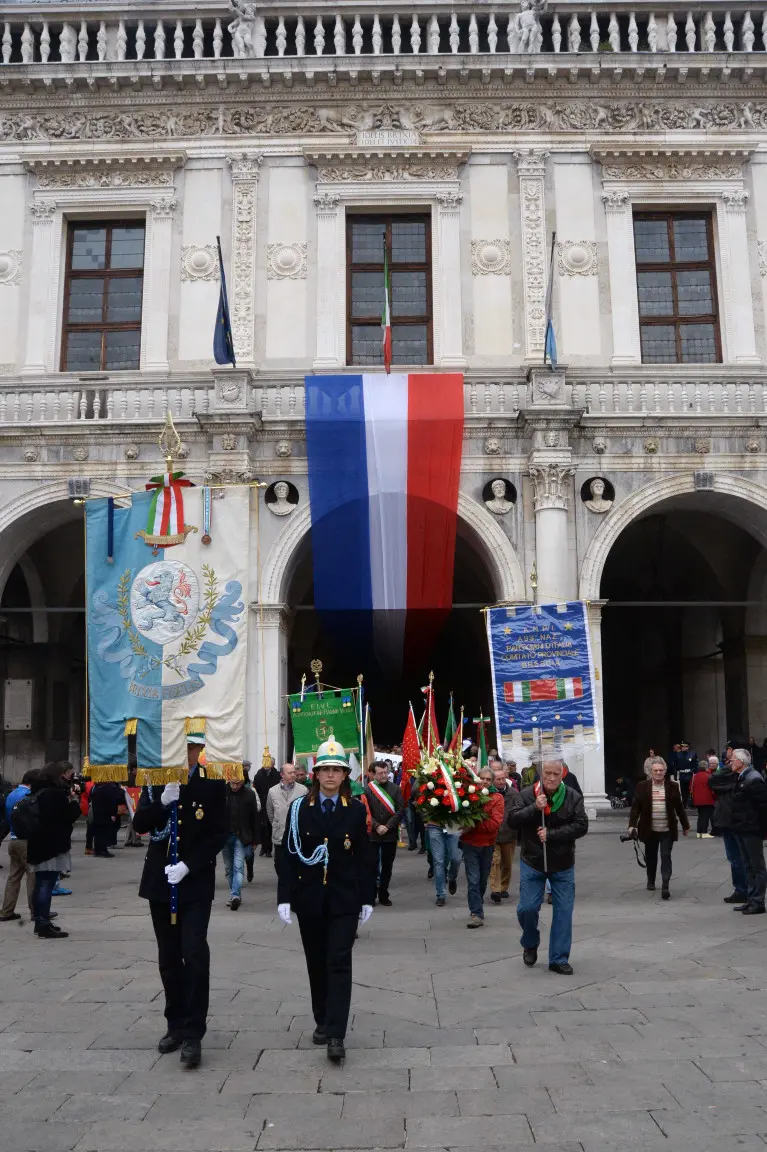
(102, 296)
(676, 286)
(407, 240)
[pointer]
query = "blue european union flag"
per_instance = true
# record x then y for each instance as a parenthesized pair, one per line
(223, 342)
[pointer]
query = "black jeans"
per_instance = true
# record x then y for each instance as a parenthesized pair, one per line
(45, 882)
(705, 812)
(184, 961)
(102, 837)
(656, 840)
(383, 854)
(752, 852)
(328, 942)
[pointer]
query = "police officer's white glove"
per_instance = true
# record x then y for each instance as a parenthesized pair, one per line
(283, 911)
(170, 794)
(366, 913)
(176, 872)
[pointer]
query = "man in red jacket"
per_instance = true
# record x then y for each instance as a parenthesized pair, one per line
(477, 845)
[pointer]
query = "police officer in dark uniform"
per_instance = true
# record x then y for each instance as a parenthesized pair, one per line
(183, 952)
(326, 879)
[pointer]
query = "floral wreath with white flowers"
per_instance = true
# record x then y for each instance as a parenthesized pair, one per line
(448, 791)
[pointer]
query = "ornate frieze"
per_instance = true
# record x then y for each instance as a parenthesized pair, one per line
(245, 170)
(286, 261)
(532, 166)
(762, 250)
(199, 262)
(673, 168)
(577, 258)
(490, 257)
(116, 174)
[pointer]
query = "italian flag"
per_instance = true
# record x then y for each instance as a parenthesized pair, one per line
(530, 691)
(386, 314)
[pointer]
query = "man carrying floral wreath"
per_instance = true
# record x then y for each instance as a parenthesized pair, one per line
(550, 817)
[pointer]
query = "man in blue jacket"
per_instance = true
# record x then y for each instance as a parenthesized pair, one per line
(17, 854)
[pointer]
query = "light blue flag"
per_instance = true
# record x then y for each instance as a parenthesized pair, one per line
(550, 341)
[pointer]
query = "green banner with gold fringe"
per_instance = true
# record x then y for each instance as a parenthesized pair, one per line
(315, 715)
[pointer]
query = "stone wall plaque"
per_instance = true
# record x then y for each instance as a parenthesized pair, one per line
(17, 705)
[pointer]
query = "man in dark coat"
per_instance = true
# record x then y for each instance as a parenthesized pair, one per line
(387, 809)
(748, 821)
(550, 817)
(105, 800)
(326, 879)
(242, 815)
(266, 778)
(183, 952)
(722, 783)
(656, 813)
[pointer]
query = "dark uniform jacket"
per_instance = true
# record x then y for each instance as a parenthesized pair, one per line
(350, 880)
(202, 833)
(641, 809)
(563, 827)
(380, 814)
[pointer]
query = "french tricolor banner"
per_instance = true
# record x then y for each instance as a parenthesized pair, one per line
(384, 456)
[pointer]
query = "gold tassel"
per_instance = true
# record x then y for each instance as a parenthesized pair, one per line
(194, 726)
(108, 773)
(130, 727)
(152, 776)
(266, 759)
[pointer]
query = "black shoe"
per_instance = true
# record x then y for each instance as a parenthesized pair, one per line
(10, 916)
(336, 1051)
(740, 908)
(412, 847)
(754, 910)
(452, 887)
(650, 885)
(384, 901)
(262, 853)
(495, 897)
(562, 969)
(169, 1043)
(665, 894)
(48, 932)
(530, 957)
(105, 855)
(421, 851)
(504, 895)
(736, 898)
(191, 1053)
(234, 903)
(430, 874)
(318, 1035)
(249, 868)
(440, 901)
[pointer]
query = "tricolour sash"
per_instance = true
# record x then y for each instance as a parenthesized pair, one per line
(383, 796)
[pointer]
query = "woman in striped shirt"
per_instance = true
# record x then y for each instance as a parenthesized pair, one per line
(656, 814)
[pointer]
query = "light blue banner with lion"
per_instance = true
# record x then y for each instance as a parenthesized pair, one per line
(167, 629)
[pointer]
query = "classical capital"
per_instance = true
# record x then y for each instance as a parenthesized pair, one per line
(449, 201)
(550, 485)
(616, 201)
(245, 166)
(43, 209)
(163, 207)
(327, 203)
(735, 199)
(531, 163)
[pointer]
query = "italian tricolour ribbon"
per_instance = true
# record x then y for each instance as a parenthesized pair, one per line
(384, 797)
(165, 523)
(451, 794)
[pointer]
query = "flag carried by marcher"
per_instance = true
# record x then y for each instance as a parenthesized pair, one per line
(223, 341)
(411, 754)
(167, 631)
(430, 738)
(319, 713)
(450, 724)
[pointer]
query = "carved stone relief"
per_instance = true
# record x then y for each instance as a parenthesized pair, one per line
(10, 266)
(762, 249)
(550, 485)
(133, 175)
(490, 257)
(244, 184)
(669, 168)
(532, 166)
(199, 262)
(577, 257)
(286, 261)
(283, 448)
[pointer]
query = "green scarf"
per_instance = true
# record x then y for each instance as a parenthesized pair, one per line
(557, 800)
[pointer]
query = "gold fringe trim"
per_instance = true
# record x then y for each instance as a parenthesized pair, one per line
(223, 770)
(107, 773)
(194, 725)
(130, 727)
(150, 776)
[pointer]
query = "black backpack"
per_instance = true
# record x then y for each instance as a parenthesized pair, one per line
(26, 819)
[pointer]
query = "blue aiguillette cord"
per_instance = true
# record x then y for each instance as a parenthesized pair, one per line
(320, 854)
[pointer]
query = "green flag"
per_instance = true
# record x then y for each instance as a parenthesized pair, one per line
(482, 759)
(450, 724)
(321, 714)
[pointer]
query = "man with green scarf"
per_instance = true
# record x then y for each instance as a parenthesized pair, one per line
(550, 817)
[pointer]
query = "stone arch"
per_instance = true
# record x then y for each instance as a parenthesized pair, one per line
(25, 518)
(492, 542)
(733, 497)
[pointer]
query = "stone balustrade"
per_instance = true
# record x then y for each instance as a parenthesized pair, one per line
(674, 396)
(55, 34)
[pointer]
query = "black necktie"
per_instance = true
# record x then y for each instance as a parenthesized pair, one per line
(328, 807)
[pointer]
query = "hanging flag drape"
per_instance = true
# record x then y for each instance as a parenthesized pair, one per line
(550, 343)
(223, 341)
(384, 461)
(386, 314)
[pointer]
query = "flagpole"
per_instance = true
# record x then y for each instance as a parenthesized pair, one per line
(549, 298)
(362, 725)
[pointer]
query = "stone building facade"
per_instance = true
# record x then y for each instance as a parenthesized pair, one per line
(276, 127)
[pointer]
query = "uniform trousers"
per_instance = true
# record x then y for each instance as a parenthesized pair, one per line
(184, 961)
(328, 942)
(500, 871)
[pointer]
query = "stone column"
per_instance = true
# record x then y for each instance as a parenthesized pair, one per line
(738, 304)
(154, 327)
(623, 285)
(592, 780)
(551, 490)
(532, 169)
(448, 274)
(330, 352)
(245, 169)
(267, 680)
(40, 289)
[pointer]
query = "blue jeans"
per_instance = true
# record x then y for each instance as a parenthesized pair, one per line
(737, 868)
(477, 863)
(446, 858)
(531, 888)
(45, 882)
(233, 855)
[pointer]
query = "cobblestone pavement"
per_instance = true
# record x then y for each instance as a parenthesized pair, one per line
(659, 1040)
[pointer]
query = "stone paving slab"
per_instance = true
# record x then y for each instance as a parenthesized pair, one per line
(658, 1042)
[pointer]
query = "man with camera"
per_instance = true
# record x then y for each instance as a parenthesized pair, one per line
(656, 813)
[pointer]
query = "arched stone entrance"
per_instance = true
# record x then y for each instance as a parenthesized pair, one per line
(682, 570)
